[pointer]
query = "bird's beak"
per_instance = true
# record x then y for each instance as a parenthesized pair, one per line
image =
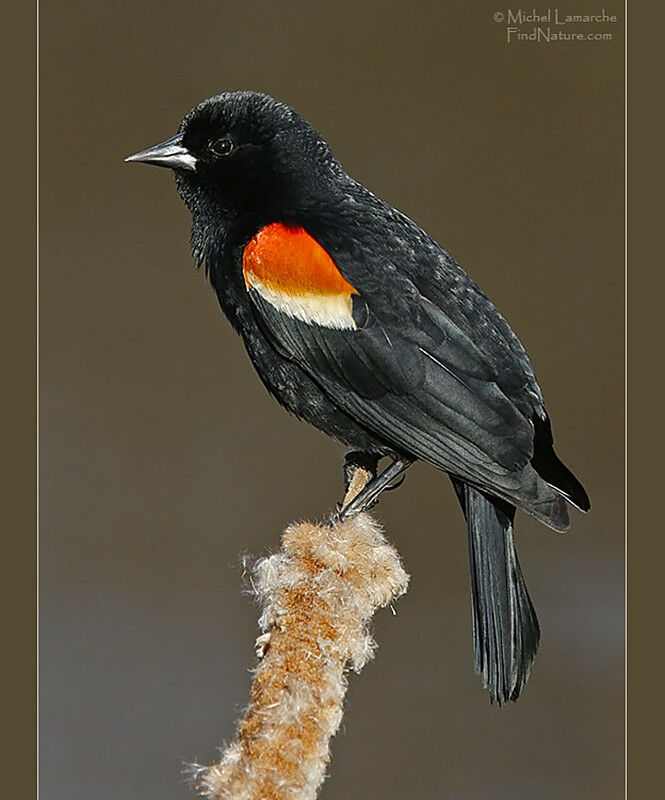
(171, 153)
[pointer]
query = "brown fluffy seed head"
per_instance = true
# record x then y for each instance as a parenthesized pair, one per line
(318, 596)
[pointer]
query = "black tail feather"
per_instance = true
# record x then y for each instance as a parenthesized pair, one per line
(505, 627)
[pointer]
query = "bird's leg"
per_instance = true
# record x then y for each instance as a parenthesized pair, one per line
(360, 467)
(373, 488)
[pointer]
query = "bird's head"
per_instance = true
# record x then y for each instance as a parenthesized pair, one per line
(243, 154)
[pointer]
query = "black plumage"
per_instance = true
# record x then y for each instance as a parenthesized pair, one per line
(421, 366)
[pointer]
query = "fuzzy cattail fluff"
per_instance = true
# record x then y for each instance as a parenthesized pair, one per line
(318, 595)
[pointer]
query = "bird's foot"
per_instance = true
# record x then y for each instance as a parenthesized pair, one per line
(364, 485)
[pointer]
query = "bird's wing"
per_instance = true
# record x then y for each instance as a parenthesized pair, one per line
(392, 359)
(389, 258)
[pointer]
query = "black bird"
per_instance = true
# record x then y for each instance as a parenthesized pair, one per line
(359, 322)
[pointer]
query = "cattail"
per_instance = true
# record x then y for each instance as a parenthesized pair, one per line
(318, 594)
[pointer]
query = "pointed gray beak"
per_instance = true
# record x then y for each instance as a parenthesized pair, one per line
(171, 153)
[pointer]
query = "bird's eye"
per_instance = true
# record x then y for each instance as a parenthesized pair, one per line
(222, 147)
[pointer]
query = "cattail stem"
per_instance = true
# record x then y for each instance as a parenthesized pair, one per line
(318, 594)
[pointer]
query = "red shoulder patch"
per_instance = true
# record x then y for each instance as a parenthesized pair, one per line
(286, 259)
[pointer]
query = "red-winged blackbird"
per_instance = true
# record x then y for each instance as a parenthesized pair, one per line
(360, 323)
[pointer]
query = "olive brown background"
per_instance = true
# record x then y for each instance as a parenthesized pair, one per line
(163, 460)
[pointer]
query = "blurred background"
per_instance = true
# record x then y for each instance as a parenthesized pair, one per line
(152, 419)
